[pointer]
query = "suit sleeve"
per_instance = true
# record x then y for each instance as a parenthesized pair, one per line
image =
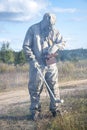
(59, 41)
(28, 45)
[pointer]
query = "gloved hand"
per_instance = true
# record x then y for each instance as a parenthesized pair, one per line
(36, 64)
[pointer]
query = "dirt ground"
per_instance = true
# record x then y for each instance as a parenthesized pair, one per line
(20, 95)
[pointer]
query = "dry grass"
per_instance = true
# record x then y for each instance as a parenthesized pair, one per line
(74, 113)
(17, 76)
(13, 76)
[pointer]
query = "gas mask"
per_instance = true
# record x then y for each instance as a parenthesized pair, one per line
(49, 20)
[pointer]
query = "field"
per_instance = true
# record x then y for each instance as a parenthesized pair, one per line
(14, 99)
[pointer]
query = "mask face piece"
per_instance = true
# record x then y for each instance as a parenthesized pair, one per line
(52, 19)
(49, 19)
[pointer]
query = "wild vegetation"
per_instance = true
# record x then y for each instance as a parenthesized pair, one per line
(9, 56)
(74, 113)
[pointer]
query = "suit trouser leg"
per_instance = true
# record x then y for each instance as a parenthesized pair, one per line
(52, 80)
(34, 86)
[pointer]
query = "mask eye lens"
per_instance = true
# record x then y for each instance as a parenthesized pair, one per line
(48, 18)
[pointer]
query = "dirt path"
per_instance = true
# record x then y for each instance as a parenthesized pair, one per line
(21, 95)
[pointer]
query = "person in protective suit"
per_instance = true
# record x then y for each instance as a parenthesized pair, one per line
(39, 38)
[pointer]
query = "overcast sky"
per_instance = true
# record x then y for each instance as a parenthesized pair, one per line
(16, 16)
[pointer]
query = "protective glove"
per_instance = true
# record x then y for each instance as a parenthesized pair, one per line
(36, 64)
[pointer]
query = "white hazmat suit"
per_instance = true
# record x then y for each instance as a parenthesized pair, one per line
(39, 38)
